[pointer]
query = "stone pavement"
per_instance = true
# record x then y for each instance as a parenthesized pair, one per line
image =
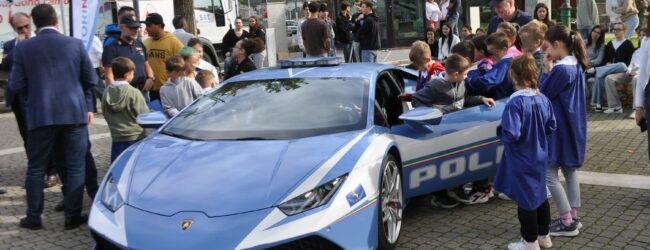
(613, 217)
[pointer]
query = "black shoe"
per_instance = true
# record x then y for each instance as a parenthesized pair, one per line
(31, 223)
(3, 190)
(59, 206)
(443, 201)
(75, 221)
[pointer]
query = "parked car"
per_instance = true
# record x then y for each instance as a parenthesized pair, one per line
(310, 154)
(292, 27)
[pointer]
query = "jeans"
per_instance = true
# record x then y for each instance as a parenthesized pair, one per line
(91, 175)
(564, 200)
(631, 23)
(19, 112)
(369, 56)
(145, 94)
(534, 223)
(117, 147)
(227, 63)
(98, 90)
(347, 52)
(68, 144)
(584, 32)
(356, 55)
(453, 23)
(601, 73)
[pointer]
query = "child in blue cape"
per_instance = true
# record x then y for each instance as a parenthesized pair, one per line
(526, 124)
(563, 82)
(494, 83)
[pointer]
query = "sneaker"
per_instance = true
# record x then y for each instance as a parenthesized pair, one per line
(632, 115)
(591, 71)
(557, 228)
(477, 197)
(458, 194)
(577, 220)
(544, 241)
(3, 190)
(598, 108)
(503, 197)
(618, 110)
(443, 201)
(523, 245)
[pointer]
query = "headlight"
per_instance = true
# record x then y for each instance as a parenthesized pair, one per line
(312, 199)
(111, 197)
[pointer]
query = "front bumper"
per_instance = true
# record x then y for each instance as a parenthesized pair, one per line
(132, 228)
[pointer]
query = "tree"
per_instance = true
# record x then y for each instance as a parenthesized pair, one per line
(185, 9)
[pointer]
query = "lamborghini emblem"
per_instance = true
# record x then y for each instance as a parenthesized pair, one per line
(186, 224)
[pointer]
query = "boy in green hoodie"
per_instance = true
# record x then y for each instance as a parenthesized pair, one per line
(121, 105)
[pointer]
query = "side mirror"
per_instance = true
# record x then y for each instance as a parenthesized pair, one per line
(422, 116)
(152, 119)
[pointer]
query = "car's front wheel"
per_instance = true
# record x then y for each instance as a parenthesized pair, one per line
(391, 204)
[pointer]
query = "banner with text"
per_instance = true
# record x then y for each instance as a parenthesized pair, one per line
(84, 20)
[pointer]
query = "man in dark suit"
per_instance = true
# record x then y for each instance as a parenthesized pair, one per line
(55, 76)
(21, 24)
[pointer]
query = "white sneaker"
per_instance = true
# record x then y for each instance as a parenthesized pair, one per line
(503, 197)
(523, 245)
(632, 115)
(478, 198)
(544, 241)
(618, 110)
(591, 70)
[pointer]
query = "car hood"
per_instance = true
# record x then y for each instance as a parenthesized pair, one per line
(221, 178)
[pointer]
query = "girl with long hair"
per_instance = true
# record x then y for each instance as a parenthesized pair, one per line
(446, 42)
(596, 46)
(563, 82)
(542, 14)
(256, 31)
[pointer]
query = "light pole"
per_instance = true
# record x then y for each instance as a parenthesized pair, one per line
(565, 12)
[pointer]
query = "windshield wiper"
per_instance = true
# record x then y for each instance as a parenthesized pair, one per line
(165, 132)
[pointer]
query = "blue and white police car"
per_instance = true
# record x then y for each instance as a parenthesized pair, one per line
(305, 156)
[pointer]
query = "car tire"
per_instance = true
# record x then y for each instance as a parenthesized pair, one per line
(391, 204)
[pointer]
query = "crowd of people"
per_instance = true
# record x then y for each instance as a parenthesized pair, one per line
(544, 69)
(358, 33)
(125, 72)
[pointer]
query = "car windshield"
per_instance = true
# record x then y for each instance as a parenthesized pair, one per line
(274, 109)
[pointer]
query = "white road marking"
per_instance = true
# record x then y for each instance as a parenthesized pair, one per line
(7, 115)
(9, 151)
(614, 180)
(96, 120)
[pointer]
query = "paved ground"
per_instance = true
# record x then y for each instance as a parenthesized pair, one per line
(614, 217)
